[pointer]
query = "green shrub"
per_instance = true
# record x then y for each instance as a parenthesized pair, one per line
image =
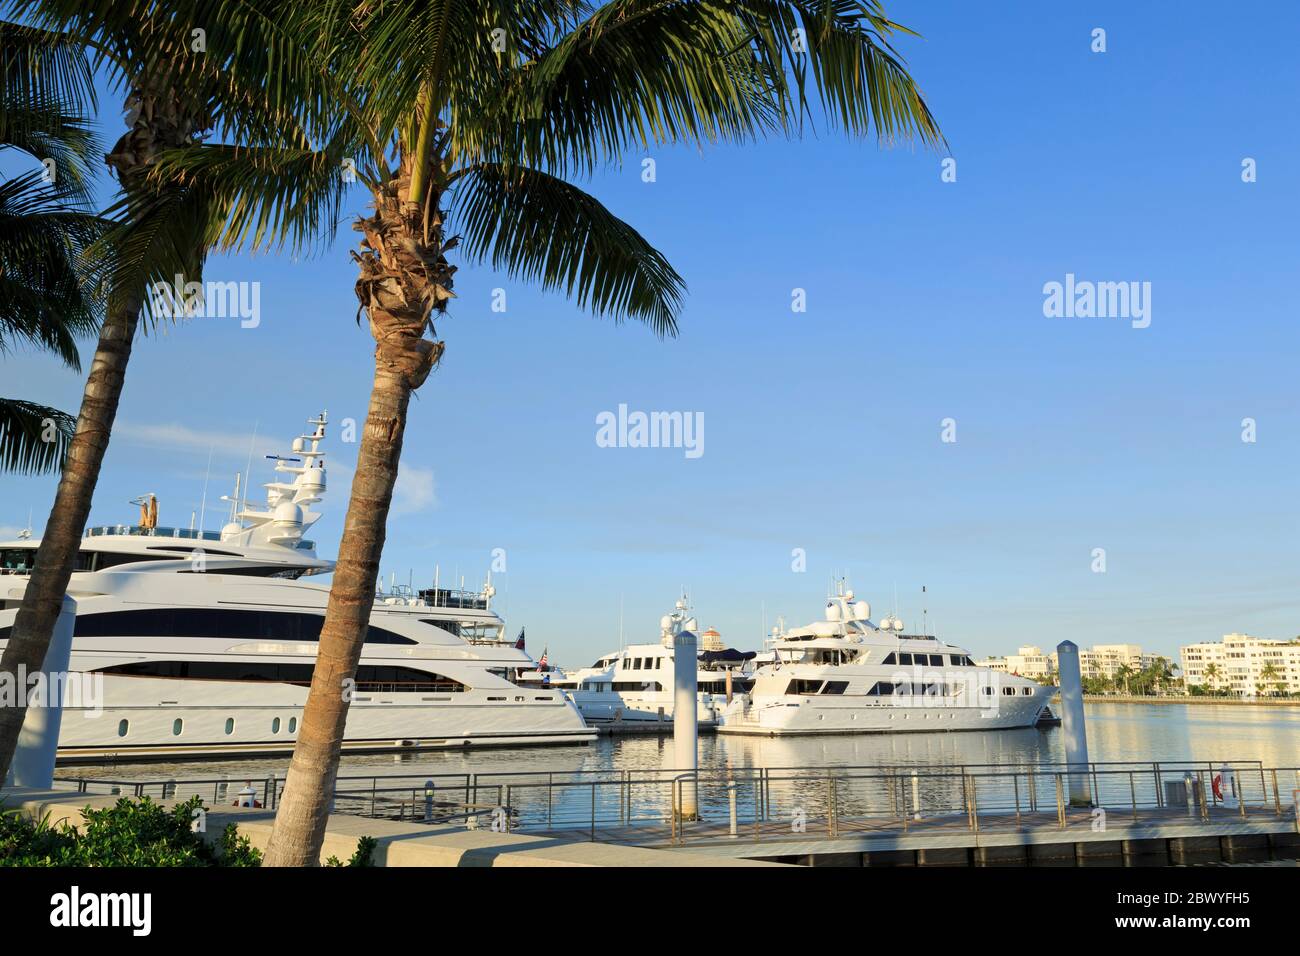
(125, 834)
(360, 857)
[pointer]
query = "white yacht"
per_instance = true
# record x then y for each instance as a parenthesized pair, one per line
(205, 642)
(635, 684)
(847, 674)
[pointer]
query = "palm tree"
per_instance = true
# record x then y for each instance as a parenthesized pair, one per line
(166, 220)
(1212, 675)
(1268, 674)
(46, 223)
(1124, 672)
(486, 112)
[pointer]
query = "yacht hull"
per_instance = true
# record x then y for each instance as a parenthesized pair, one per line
(167, 719)
(781, 716)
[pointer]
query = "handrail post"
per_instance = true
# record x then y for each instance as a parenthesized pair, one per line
(593, 811)
(1016, 782)
(1060, 803)
(1277, 796)
(1132, 789)
(975, 804)
(1033, 793)
(1160, 801)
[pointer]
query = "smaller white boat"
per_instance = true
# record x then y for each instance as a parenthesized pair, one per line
(635, 685)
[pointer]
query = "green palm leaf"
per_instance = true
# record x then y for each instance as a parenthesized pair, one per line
(33, 438)
(538, 227)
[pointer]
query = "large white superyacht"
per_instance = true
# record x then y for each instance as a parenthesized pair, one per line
(205, 641)
(846, 674)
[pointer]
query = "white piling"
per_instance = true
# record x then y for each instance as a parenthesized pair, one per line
(1072, 722)
(38, 741)
(685, 718)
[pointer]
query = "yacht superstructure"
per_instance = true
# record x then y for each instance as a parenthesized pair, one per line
(635, 684)
(846, 674)
(205, 642)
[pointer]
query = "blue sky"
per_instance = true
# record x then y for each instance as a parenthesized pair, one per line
(822, 428)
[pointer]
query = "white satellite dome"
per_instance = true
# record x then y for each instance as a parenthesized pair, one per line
(287, 515)
(299, 444)
(666, 622)
(898, 624)
(231, 530)
(832, 611)
(861, 610)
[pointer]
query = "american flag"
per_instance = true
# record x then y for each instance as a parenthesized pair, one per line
(541, 665)
(519, 641)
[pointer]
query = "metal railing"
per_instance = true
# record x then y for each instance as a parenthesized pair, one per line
(776, 803)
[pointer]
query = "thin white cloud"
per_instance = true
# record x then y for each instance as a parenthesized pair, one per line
(414, 491)
(182, 437)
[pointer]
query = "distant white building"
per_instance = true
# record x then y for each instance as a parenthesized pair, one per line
(1243, 665)
(1028, 661)
(1103, 661)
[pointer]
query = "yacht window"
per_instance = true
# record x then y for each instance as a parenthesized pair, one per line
(1026, 691)
(275, 726)
(122, 727)
(259, 571)
(936, 660)
(1008, 692)
(636, 663)
(905, 660)
(986, 691)
(246, 624)
(889, 659)
(230, 726)
(17, 559)
(638, 685)
(177, 726)
(369, 677)
(803, 687)
(293, 724)
(835, 687)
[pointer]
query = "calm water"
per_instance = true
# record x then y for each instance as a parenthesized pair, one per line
(1116, 732)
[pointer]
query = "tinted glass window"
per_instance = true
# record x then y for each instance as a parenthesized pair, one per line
(369, 677)
(216, 622)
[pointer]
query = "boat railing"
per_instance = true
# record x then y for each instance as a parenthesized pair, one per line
(185, 534)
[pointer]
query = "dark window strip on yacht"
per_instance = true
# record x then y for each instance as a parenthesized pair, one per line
(369, 677)
(216, 622)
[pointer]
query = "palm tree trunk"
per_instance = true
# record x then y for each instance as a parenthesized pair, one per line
(404, 279)
(61, 540)
(301, 816)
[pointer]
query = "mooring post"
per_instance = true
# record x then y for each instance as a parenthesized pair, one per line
(33, 761)
(685, 719)
(1072, 722)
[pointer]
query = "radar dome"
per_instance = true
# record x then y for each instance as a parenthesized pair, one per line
(287, 514)
(832, 611)
(666, 622)
(898, 624)
(861, 610)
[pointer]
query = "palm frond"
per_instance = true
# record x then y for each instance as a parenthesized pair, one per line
(33, 438)
(540, 228)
